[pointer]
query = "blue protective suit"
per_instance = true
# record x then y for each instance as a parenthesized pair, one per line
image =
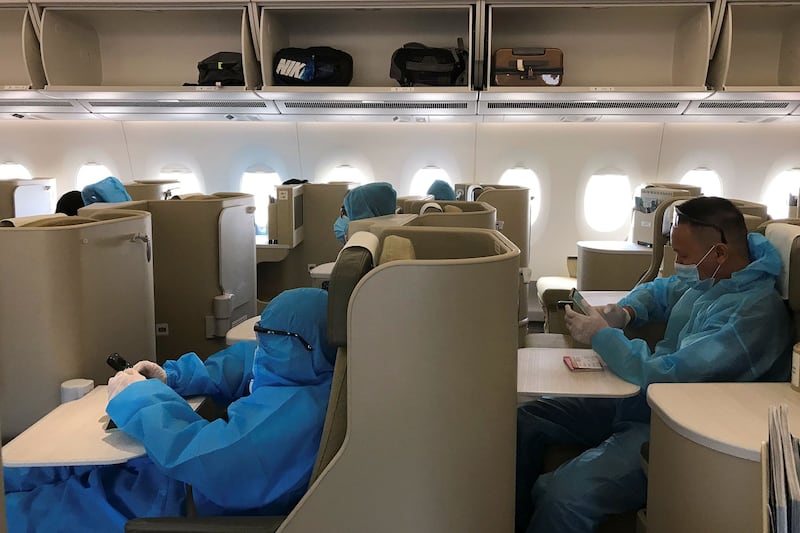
(258, 462)
(737, 330)
(441, 190)
(365, 201)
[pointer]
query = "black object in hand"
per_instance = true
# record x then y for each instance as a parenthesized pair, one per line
(117, 362)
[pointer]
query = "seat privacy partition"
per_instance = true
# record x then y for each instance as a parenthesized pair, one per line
(70, 295)
(431, 356)
(204, 269)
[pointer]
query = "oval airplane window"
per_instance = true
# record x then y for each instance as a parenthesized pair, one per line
(607, 201)
(425, 177)
(189, 184)
(525, 177)
(706, 179)
(346, 173)
(777, 195)
(91, 173)
(261, 184)
(14, 171)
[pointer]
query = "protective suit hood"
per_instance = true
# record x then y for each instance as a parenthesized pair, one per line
(765, 261)
(441, 190)
(370, 200)
(282, 360)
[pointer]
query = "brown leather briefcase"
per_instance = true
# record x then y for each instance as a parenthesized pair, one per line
(528, 67)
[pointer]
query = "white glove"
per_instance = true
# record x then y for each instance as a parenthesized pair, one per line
(122, 379)
(583, 327)
(150, 370)
(615, 315)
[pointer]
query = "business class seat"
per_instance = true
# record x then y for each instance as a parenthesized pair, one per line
(204, 271)
(428, 376)
(72, 291)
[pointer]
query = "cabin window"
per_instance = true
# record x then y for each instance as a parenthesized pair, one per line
(261, 184)
(780, 191)
(525, 177)
(346, 173)
(706, 179)
(91, 173)
(425, 177)
(607, 201)
(14, 171)
(189, 184)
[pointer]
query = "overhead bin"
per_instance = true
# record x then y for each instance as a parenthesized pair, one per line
(370, 33)
(756, 67)
(633, 58)
(128, 58)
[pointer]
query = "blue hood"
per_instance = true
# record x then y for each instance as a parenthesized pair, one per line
(441, 190)
(282, 360)
(765, 261)
(370, 200)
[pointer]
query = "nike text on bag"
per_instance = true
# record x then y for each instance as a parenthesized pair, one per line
(317, 65)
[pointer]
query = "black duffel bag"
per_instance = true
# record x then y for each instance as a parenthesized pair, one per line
(317, 65)
(223, 68)
(417, 64)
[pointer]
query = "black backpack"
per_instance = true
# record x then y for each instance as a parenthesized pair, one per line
(417, 64)
(224, 68)
(317, 65)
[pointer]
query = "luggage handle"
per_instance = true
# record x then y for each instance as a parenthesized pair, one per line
(536, 51)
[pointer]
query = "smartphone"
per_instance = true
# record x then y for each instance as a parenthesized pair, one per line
(117, 362)
(578, 302)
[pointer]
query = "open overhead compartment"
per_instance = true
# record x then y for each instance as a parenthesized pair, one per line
(370, 32)
(142, 58)
(756, 67)
(641, 58)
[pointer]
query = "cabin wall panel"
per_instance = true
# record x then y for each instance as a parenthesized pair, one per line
(565, 156)
(746, 156)
(388, 152)
(59, 148)
(217, 152)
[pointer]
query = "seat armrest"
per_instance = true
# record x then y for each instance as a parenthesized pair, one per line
(205, 524)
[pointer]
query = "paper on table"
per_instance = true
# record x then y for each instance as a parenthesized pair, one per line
(584, 362)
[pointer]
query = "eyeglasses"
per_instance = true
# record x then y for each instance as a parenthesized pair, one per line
(268, 331)
(680, 215)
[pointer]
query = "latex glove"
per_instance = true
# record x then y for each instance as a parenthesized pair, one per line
(615, 315)
(150, 369)
(122, 379)
(583, 327)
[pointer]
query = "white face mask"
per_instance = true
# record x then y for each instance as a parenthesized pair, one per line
(690, 274)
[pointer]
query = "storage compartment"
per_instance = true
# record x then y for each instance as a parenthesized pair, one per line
(759, 48)
(369, 35)
(138, 48)
(613, 47)
(18, 42)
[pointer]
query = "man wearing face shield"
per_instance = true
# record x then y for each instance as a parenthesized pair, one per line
(257, 462)
(725, 322)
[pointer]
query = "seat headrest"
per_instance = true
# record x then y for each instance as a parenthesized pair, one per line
(786, 239)
(396, 248)
(354, 260)
(430, 207)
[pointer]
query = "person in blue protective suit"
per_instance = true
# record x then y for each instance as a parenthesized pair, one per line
(366, 201)
(725, 321)
(259, 461)
(441, 190)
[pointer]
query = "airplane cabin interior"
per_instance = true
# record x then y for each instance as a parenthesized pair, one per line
(447, 313)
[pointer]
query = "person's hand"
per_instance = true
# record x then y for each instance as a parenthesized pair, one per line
(583, 327)
(150, 370)
(122, 379)
(615, 315)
